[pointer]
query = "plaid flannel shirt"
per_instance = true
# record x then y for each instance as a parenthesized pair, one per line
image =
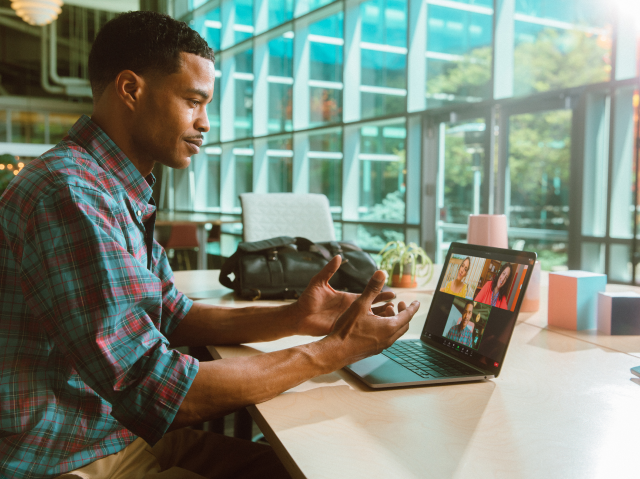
(460, 334)
(84, 363)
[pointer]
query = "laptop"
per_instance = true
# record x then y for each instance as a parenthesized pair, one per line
(468, 328)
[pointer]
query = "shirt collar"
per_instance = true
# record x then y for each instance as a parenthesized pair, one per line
(110, 157)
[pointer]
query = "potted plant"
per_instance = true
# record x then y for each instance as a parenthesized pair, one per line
(404, 263)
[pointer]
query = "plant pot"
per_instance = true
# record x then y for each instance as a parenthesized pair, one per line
(404, 280)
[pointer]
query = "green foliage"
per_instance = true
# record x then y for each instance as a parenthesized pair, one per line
(397, 253)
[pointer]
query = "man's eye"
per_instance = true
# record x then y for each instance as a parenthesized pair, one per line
(195, 103)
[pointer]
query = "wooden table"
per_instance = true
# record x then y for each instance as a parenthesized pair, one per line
(201, 220)
(564, 406)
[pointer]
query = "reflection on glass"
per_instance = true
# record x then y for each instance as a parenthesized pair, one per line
(209, 26)
(27, 127)
(3, 126)
(244, 94)
(383, 57)
(306, 6)
(280, 175)
(280, 83)
(539, 159)
(60, 124)
(592, 257)
(213, 181)
(213, 111)
(561, 44)
(280, 11)
(374, 238)
(459, 51)
(244, 175)
(463, 170)
(325, 70)
(244, 20)
(620, 266)
(382, 172)
(325, 166)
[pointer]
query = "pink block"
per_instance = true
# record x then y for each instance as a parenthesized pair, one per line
(573, 299)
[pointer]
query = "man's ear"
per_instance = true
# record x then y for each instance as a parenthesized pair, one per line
(129, 88)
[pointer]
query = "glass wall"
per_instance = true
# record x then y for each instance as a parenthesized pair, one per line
(410, 115)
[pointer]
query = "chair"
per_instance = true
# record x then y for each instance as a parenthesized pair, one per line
(286, 214)
(183, 238)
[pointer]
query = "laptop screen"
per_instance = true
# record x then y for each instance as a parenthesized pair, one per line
(476, 303)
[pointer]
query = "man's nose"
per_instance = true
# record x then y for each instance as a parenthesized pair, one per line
(202, 122)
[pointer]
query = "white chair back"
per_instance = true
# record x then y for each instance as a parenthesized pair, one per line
(286, 214)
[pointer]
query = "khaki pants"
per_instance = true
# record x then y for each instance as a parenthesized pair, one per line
(186, 454)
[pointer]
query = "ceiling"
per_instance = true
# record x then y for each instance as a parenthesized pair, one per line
(107, 5)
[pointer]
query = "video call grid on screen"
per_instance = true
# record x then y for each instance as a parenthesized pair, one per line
(475, 316)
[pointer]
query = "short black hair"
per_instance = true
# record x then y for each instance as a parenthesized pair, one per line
(469, 302)
(141, 42)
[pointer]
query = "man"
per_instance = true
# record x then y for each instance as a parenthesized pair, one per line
(88, 308)
(459, 332)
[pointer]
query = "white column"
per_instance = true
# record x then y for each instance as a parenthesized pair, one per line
(301, 163)
(260, 87)
(621, 181)
(228, 20)
(352, 65)
(260, 166)
(351, 173)
(626, 39)
(227, 97)
(227, 179)
(416, 56)
(413, 160)
(260, 16)
(301, 76)
(503, 46)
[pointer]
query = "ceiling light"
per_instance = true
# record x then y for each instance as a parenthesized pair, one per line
(37, 12)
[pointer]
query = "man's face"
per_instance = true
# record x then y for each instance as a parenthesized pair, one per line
(466, 317)
(173, 116)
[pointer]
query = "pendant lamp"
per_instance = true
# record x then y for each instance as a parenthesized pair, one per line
(37, 12)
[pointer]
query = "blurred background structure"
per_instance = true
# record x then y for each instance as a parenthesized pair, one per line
(409, 115)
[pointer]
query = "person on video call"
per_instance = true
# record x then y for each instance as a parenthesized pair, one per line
(92, 386)
(457, 286)
(459, 332)
(495, 292)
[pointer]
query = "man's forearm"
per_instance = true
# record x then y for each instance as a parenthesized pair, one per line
(206, 324)
(226, 385)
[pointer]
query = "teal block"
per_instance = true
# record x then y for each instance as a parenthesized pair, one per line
(587, 300)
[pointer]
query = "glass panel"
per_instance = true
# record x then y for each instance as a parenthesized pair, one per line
(212, 190)
(539, 159)
(244, 20)
(463, 170)
(27, 127)
(244, 174)
(244, 94)
(60, 124)
(213, 110)
(280, 11)
(280, 81)
(325, 70)
(306, 6)
(620, 263)
(561, 44)
(592, 257)
(280, 176)
(325, 166)
(383, 57)
(3, 126)
(374, 238)
(623, 180)
(459, 51)
(382, 172)
(209, 26)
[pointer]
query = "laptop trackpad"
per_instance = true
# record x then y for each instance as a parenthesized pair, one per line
(379, 369)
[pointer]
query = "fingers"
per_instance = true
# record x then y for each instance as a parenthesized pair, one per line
(328, 271)
(386, 296)
(402, 306)
(406, 314)
(385, 310)
(373, 288)
(399, 333)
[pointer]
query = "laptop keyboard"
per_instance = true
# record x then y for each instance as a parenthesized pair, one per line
(425, 362)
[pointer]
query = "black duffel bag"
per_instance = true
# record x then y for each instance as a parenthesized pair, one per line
(281, 268)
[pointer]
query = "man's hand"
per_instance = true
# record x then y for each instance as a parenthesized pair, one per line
(320, 306)
(360, 332)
